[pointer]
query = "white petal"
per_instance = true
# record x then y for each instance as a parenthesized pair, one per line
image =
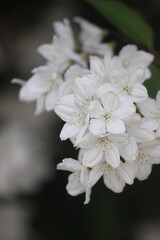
(112, 155)
(148, 107)
(129, 152)
(152, 148)
(158, 99)
(97, 127)
(105, 88)
(74, 187)
(80, 135)
(26, 95)
(95, 109)
(125, 111)
(39, 105)
(87, 195)
(18, 81)
(97, 67)
(84, 177)
(143, 171)
(121, 139)
(50, 100)
(113, 182)
(95, 174)
(127, 50)
(137, 77)
(69, 131)
(92, 156)
(143, 59)
(151, 124)
(88, 141)
(139, 93)
(132, 167)
(143, 134)
(65, 108)
(38, 84)
(47, 51)
(110, 101)
(116, 126)
(125, 174)
(69, 164)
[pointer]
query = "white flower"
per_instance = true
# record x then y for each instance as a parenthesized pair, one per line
(78, 180)
(130, 58)
(108, 115)
(148, 155)
(73, 72)
(128, 86)
(136, 134)
(91, 37)
(98, 149)
(61, 51)
(74, 115)
(45, 86)
(150, 109)
(90, 32)
(114, 179)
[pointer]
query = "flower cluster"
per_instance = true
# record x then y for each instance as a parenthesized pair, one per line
(101, 98)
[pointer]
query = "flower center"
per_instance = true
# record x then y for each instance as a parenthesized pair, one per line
(107, 169)
(107, 116)
(143, 158)
(51, 83)
(126, 63)
(77, 118)
(126, 89)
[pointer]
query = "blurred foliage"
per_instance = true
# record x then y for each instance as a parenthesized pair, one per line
(153, 84)
(126, 19)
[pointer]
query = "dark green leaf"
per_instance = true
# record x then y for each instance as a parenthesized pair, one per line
(126, 19)
(153, 84)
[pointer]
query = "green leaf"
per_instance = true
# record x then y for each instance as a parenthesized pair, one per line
(153, 84)
(126, 19)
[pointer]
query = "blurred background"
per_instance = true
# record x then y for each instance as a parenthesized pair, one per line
(34, 204)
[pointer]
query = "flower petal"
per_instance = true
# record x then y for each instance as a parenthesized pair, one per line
(69, 164)
(112, 156)
(95, 109)
(151, 124)
(39, 105)
(95, 174)
(125, 111)
(97, 67)
(158, 99)
(139, 93)
(97, 127)
(125, 174)
(129, 152)
(74, 187)
(87, 195)
(143, 171)
(110, 102)
(137, 77)
(69, 131)
(113, 182)
(148, 107)
(92, 156)
(143, 134)
(121, 139)
(105, 88)
(116, 126)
